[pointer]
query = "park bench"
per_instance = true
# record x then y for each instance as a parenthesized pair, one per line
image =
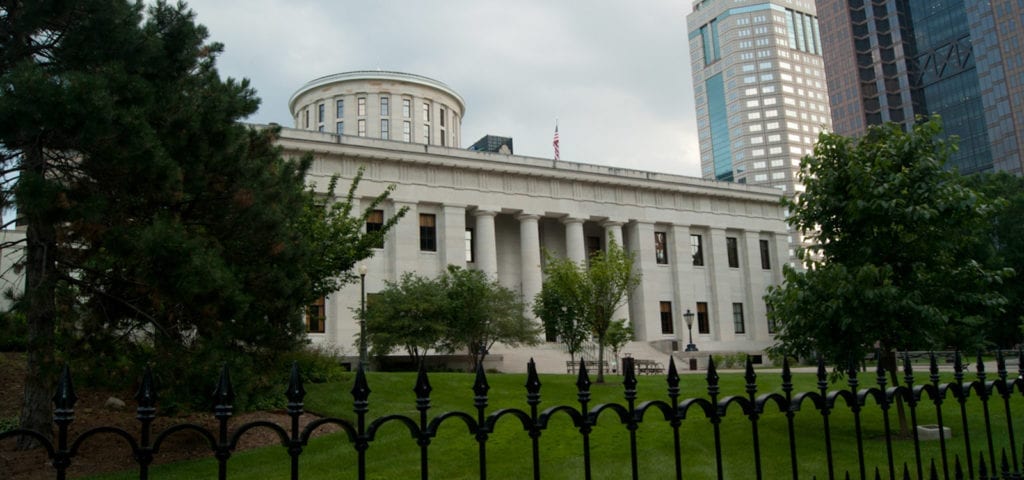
(573, 366)
(648, 367)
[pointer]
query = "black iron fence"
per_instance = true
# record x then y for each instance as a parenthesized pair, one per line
(972, 454)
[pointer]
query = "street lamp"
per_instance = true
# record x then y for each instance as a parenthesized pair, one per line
(690, 347)
(362, 315)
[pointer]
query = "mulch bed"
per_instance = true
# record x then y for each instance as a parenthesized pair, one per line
(109, 453)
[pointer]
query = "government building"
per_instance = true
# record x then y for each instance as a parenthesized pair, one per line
(702, 246)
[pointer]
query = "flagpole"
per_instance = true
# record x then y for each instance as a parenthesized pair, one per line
(555, 141)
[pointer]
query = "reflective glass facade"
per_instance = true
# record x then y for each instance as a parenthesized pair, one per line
(720, 149)
(955, 58)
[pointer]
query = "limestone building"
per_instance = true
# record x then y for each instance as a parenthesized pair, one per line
(701, 245)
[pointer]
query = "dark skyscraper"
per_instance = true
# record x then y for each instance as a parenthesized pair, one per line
(892, 60)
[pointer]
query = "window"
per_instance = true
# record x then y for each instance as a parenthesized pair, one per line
(426, 134)
(406, 131)
(771, 318)
(733, 252)
(441, 115)
(660, 248)
(703, 325)
(737, 318)
(697, 249)
(340, 109)
(316, 313)
(320, 113)
(305, 116)
(385, 128)
(428, 232)
(361, 106)
(339, 128)
(375, 223)
(406, 108)
(470, 252)
(385, 106)
(426, 112)
(766, 261)
(362, 127)
(666, 318)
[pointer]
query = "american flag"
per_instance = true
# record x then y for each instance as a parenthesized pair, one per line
(555, 141)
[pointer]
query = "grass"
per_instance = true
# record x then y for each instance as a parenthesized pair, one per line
(453, 453)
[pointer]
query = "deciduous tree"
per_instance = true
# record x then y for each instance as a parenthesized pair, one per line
(595, 290)
(890, 264)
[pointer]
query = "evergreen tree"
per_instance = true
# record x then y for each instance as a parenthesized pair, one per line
(156, 224)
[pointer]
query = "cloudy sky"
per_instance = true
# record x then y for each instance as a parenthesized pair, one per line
(614, 74)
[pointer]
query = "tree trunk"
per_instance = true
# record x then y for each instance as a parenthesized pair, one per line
(40, 289)
(901, 414)
(600, 361)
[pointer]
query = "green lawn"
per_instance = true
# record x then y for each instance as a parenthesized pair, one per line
(453, 454)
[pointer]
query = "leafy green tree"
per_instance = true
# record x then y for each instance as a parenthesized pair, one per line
(408, 315)
(459, 310)
(481, 312)
(561, 320)
(890, 264)
(619, 334)
(156, 224)
(595, 291)
(1001, 245)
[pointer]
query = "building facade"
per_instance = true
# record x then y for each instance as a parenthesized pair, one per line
(385, 105)
(708, 247)
(890, 61)
(759, 89)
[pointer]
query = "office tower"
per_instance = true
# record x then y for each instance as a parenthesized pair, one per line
(759, 88)
(893, 60)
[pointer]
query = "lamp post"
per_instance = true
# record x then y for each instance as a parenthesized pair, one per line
(690, 347)
(362, 315)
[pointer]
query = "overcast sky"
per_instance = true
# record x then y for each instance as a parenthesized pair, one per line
(615, 73)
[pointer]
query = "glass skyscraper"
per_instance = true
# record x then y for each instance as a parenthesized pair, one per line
(894, 60)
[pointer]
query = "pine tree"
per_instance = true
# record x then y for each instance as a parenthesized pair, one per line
(157, 226)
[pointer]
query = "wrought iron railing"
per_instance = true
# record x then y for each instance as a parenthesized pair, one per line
(674, 411)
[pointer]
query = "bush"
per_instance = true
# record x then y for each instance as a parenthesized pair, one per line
(318, 363)
(8, 424)
(13, 332)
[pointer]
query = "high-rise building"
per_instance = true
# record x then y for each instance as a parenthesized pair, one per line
(893, 60)
(759, 88)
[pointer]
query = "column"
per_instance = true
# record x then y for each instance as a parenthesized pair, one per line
(646, 323)
(403, 243)
(452, 236)
(575, 245)
(529, 244)
(753, 276)
(486, 243)
(614, 229)
(720, 303)
(681, 260)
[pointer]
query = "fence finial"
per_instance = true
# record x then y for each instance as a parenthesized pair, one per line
(295, 392)
(422, 388)
(64, 398)
(532, 379)
(146, 395)
(360, 389)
